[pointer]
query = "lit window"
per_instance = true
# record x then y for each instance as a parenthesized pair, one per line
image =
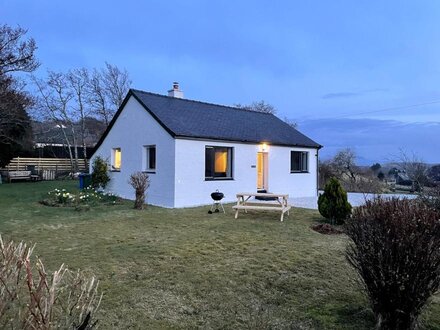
(116, 159)
(218, 163)
(150, 158)
(299, 161)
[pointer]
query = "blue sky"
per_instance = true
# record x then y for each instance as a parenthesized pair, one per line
(310, 59)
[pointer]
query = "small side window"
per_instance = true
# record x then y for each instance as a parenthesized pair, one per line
(299, 161)
(116, 159)
(150, 158)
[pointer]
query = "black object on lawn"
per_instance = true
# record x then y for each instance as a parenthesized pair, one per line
(216, 197)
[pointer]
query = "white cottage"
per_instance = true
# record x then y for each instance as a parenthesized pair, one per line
(191, 148)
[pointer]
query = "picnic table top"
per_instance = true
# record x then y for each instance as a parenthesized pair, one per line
(262, 194)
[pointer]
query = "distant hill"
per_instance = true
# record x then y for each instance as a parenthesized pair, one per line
(375, 140)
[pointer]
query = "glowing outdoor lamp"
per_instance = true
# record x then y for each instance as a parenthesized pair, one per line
(264, 147)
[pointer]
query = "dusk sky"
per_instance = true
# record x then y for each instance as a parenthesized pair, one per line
(312, 60)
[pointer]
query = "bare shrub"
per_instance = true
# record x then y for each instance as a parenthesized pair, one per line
(431, 197)
(32, 299)
(140, 182)
(396, 251)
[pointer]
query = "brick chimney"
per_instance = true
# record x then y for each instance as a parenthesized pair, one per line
(175, 92)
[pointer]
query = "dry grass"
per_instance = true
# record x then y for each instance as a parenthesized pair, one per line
(183, 268)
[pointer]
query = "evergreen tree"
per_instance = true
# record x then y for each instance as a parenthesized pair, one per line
(333, 203)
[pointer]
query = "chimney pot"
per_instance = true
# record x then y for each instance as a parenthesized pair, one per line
(175, 91)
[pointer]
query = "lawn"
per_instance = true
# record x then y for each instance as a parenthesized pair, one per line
(183, 268)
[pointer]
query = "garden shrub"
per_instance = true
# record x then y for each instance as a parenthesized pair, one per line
(140, 182)
(30, 298)
(333, 203)
(431, 197)
(396, 251)
(100, 176)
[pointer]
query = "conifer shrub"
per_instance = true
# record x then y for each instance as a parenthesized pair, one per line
(100, 176)
(395, 249)
(333, 203)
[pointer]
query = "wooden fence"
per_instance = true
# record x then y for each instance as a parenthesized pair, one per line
(47, 168)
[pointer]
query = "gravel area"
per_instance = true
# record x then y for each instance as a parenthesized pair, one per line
(355, 199)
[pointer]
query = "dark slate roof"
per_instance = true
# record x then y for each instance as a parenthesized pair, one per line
(195, 119)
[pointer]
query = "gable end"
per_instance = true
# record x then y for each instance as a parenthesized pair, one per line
(115, 117)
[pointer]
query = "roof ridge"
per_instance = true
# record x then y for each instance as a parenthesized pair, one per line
(201, 102)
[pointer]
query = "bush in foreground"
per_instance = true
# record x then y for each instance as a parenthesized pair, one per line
(396, 251)
(32, 299)
(140, 182)
(100, 177)
(333, 203)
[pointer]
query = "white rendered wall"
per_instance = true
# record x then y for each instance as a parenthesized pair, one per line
(191, 189)
(295, 184)
(134, 129)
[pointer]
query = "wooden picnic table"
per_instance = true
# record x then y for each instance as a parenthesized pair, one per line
(244, 203)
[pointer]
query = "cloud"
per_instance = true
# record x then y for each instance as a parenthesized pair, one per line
(374, 140)
(339, 95)
(352, 94)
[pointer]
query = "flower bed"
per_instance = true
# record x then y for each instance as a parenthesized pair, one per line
(85, 197)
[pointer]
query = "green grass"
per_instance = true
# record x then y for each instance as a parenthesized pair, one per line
(183, 268)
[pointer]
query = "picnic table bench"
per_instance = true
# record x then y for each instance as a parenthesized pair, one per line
(243, 203)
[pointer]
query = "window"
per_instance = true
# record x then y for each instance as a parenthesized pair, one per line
(218, 163)
(150, 158)
(116, 159)
(299, 161)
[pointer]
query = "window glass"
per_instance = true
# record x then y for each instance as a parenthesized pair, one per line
(150, 161)
(299, 161)
(218, 162)
(116, 157)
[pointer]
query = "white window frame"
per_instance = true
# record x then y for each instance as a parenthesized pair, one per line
(146, 158)
(304, 155)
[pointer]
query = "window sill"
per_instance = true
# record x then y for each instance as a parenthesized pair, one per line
(219, 179)
(149, 172)
(292, 172)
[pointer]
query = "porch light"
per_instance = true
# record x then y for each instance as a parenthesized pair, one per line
(264, 147)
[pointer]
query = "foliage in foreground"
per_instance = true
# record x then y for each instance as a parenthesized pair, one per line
(100, 176)
(140, 183)
(32, 299)
(431, 198)
(396, 251)
(333, 203)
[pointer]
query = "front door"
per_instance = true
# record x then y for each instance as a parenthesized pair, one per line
(262, 170)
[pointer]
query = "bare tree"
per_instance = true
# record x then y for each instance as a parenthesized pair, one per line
(415, 168)
(354, 178)
(54, 102)
(116, 83)
(344, 163)
(73, 99)
(108, 88)
(16, 54)
(259, 106)
(79, 83)
(290, 122)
